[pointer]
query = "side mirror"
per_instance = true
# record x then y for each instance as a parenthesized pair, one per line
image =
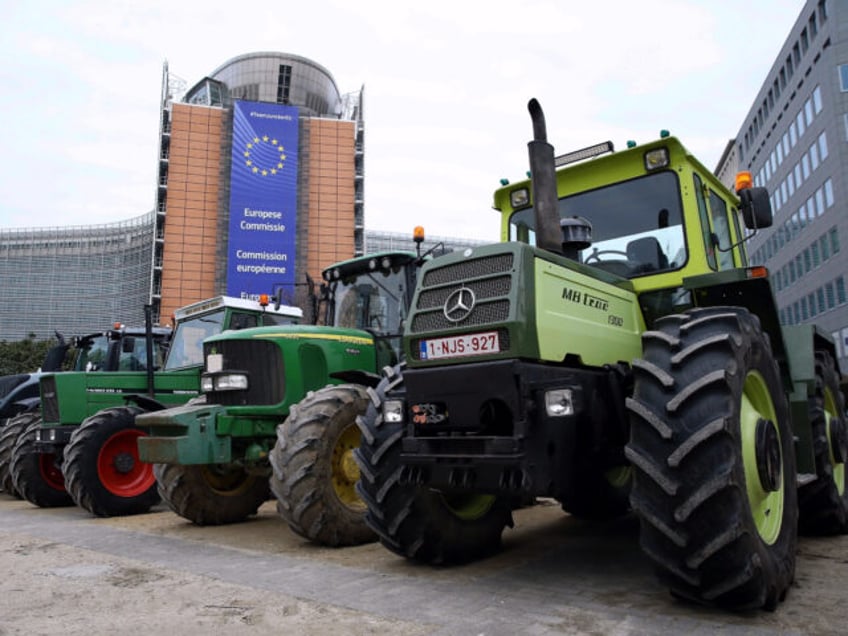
(756, 208)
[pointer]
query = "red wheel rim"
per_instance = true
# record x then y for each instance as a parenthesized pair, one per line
(51, 475)
(120, 470)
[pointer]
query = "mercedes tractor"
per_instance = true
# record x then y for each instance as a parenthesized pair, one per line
(616, 352)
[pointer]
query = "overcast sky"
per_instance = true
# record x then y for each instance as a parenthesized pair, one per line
(446, 87)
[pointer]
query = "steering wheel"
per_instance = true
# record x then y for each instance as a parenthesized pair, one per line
(594, 255)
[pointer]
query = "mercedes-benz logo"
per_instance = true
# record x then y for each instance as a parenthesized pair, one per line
(459, 304)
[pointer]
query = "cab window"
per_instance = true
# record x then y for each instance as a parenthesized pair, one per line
(706, 233)
(721, 229)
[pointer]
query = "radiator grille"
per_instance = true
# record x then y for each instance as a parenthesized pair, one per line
(50, 400)
(263, 362)
(483, 289)
(483, 314)
(498, 264)
(490, 278)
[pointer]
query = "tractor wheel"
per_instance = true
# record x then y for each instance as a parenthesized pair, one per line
(714, 464)
(103, 473)
(601, 496)
(824, 502)
(211, 495)
(413, 521)
(37, 476)
(9, 435)
(314, 473)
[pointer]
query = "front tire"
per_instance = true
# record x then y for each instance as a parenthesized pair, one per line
(103, 472)
(713, 459)
(210, 495)
(9, 435)
(37, 476)
(824, 502)
(413, 521)
(314, 473)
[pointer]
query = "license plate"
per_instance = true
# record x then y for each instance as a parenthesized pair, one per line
(473, 344)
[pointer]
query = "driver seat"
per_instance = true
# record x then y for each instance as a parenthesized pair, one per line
(647, 254)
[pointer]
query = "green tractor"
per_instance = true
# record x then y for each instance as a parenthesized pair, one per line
(107, 350)
(615, 352)
(81, 448)
(282, 404)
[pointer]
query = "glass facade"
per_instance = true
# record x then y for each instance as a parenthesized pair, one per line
(74, 280)
(793, 142)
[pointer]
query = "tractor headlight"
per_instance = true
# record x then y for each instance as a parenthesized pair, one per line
(656, 159)
(393, 411)
(559, 403)
(519, 198)
(223, 382)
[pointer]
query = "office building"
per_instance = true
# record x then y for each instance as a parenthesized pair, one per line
(793, 141)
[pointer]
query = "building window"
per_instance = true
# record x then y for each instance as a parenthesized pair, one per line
(843, 77)
(811, 303)
(823, 146)
(825, 248)
(840, 290)
(817, 99)
(284, 84)
(834, 241)
(831, 298)
(828, 193)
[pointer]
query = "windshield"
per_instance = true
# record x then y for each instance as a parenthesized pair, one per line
(372, 301)
(186, 345)
(134, 354)
(92, 354)
(637, 225)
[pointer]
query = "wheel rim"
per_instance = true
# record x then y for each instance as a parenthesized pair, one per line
(619, 476)
(831, 414)
(227, 481)
(50, 473)
(469, 507)
(345, 471)
(120, 470)
(766, 506)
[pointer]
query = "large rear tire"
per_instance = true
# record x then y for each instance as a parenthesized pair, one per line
(712, 450)
(211, 495)
(37, 476)
(314, 473)
(824, 502)
(415, 522)
(103, 472)
(9, 435)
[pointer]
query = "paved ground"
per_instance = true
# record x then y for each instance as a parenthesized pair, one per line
(68, 573)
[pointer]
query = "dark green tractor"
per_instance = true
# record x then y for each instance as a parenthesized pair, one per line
(617, 351)
(81, 448)
(281, 405)
(107, 350)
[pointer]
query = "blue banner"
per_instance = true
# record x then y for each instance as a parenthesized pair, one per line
(263, 200)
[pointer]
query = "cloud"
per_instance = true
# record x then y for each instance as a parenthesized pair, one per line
(446, 88)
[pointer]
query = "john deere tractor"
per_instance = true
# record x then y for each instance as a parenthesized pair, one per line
(281, 403)
(616, 351)
(82, 448)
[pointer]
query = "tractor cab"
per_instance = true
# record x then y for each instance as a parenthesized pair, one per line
(652, 214)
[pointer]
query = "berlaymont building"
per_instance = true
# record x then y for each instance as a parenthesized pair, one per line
(260, 182)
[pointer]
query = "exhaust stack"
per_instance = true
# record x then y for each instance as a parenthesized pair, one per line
(543, 182)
